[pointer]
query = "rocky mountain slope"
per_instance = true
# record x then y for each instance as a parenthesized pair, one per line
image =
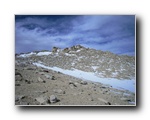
(38, 83)
(103, 64)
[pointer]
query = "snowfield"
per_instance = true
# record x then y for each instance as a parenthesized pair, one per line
(90, 76)
(27, 55)
(36, 54)
(43, 53)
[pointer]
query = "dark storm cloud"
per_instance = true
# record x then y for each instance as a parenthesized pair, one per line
(108, 33)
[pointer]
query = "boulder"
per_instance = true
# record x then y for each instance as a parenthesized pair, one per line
(41, 80)
(53, 99)
(59, 91)
(17, 73)
(28, 81)
(70, 82)
(72, 86)
(41, 100)
(53, 78)
(48, 76)
(18, 76)
(83, 82)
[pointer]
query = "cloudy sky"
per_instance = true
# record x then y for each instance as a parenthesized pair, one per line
(114, 33)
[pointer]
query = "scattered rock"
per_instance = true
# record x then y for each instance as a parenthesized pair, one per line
(46, 71)
(17, 84)
(83, 82)
(17, 98)
(106, 102)
(103, 87)
(31, 68)
(41, 73)
(53, 99)
(28, 81)
(94, 89)
(76, 83)
(18, 76)
(17, 73)
(53, 78)
(48, 76)
(91, 99)
(72, 84)
(28, 100)
(41, 80)
(105, 91)
(60, 91)
(41, 100)
(45, 91)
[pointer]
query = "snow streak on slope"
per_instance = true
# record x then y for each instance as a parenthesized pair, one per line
(115, 83)
(27, 55)
(36, 54)
(43, 53)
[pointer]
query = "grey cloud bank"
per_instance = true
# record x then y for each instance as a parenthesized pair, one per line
(114, 33)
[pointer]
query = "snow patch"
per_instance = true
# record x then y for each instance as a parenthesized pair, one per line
(27, 55)
(115, 83)
(43, 53)
(69, 54)
(78, 50)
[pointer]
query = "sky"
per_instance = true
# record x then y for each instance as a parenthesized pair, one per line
(114, 33)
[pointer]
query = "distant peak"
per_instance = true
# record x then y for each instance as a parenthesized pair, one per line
(55, 49)
(78, 46)
(73, 48)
